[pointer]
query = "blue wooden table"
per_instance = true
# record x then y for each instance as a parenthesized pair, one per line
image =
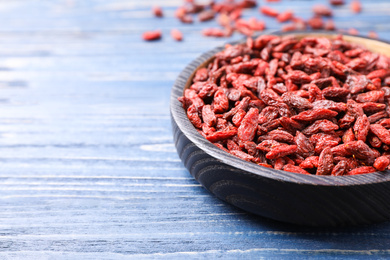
(88, 166)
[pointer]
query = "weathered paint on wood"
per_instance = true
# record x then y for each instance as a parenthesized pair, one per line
(88, 165)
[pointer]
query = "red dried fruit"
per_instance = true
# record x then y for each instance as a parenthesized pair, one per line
(325, 162)
(361, 127)
(348, 136)
(304, 146)
(237, 118)
(268, 11)
(336, 2)
(270, 97)
(279, 163)
(373, 34)
(248, 126)
(356, 6)
(157, 11)
(289, 27)
(222, 135)
(381, 163)
(340, 169)
(329, 25)
(255, 24)
(285, 16)
(371, 96)
(382, 133)
(362, 170)
(242, 155)
(340, 150)
(335, 93)
(208, 115)
(151, 35)
(315, 114)
(293, 168)
(321, 126)
(381, 73)
(377, 116)
(278, 135)
(206, 15)
(310, 162)
(372, 107)
(316, 23)
(353, 31)
(176, 35)
(221, 102)
(361, 151)
(214, 32)
(322, 10)
(294, 101)
(267, 145)
(281, 151)
(193, 116)
(331, 105)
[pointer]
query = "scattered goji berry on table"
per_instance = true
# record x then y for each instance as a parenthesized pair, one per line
(356, 6)
(176, 34)
(157, 11)
(151, 35)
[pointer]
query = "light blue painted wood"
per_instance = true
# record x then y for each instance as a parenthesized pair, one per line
(88, 167)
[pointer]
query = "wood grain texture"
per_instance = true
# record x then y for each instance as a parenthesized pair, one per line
(88, 165)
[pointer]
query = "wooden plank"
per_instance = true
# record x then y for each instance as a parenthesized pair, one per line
(88, 165)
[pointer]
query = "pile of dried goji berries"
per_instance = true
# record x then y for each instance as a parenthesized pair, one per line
(310, 105)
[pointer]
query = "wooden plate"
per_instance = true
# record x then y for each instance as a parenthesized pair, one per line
(289, 197)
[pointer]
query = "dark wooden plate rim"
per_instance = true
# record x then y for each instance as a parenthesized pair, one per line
(178, 114)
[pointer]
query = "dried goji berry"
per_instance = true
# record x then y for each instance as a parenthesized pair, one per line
(248, 126)
(325, 162)
(221, 102)
(315, 114)
(356, 6)
(382, 133)
(336, 2)
(321, 126)
(322, 10)
(176, 34)
(151, 35)
(293, 168)
(208, 115)
(361, 127)
(361, 151)
(157, 11)
(340, 168)
(285, 16)
(281, 151)
(310, 162)
(361, 170)
(304, 146)
(222, 135)
(381, 163)
(193, 116)
(206, 15)
(268, 11)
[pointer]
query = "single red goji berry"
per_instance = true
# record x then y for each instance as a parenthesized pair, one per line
(268, 11)
(176, 34)
(151, 35)
(293, 168)
(157, 11)
(356, 6)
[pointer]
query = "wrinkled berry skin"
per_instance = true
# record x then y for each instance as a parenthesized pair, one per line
(307, 106)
